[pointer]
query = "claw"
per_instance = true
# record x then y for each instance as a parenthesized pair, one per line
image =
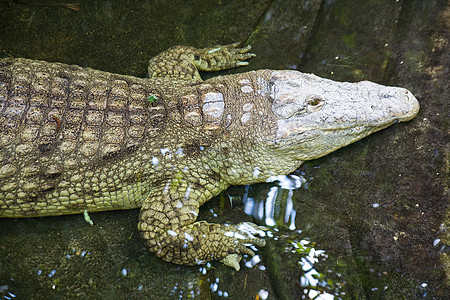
(241, 63)
(214, 50)
(232, 260)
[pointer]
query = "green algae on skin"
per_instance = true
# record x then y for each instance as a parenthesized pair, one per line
(87, 218)
(152, 99)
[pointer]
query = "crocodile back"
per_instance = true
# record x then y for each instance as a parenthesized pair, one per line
(59, 124)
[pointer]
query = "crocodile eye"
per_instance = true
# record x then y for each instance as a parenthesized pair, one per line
(315, 101)
(314, 104)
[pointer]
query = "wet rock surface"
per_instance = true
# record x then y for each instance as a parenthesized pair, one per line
(370, 221)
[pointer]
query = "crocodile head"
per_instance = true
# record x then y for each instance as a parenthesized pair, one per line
(316, 116)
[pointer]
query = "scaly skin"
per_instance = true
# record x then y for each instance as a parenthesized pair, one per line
(75, 139)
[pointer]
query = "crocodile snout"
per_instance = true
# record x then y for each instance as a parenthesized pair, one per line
(411, 105)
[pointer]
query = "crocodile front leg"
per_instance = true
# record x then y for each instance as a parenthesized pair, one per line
(183, 62)
(167, 224)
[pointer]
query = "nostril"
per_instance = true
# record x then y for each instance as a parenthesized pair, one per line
(403, 95)
(408, 96)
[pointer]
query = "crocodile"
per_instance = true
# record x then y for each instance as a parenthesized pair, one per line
(76, 140)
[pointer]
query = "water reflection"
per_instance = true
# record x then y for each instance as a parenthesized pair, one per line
(214, 286)
(5, 293)
(279, 195)
(314, 282)
(344, 267)
(277, 211)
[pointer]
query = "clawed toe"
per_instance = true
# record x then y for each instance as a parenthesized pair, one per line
(244, 49)
(232, 260)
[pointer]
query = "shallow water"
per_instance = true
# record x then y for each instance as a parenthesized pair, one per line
(370, 220)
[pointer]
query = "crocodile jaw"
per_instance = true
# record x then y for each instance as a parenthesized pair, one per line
(317, 116)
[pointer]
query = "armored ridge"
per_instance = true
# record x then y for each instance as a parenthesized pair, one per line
(75, 139)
